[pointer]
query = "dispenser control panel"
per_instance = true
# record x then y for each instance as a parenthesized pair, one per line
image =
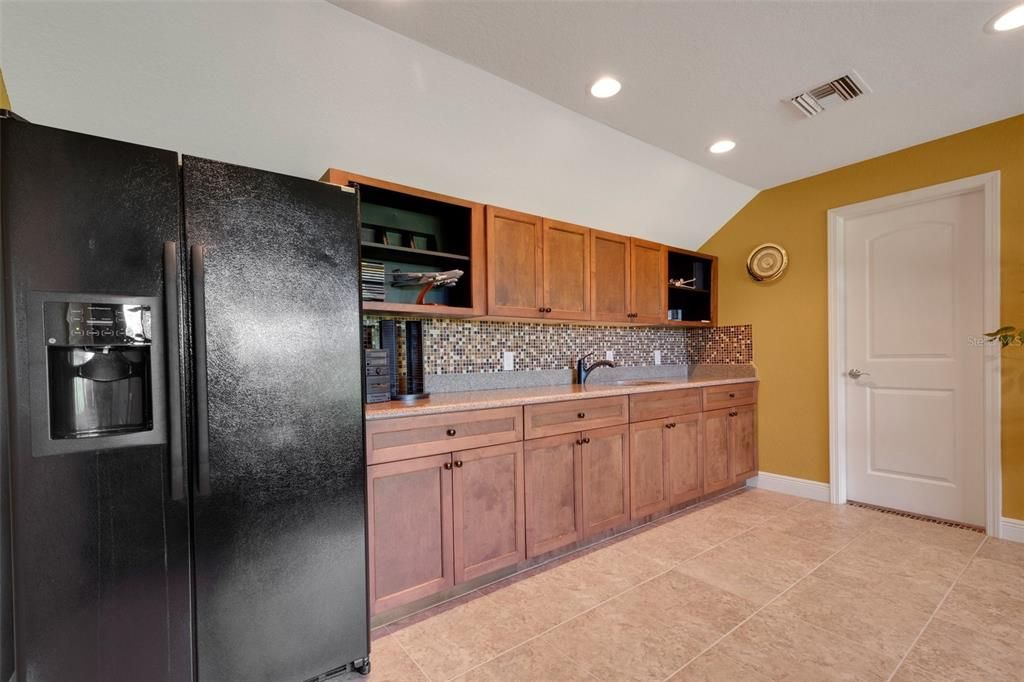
(97, 324)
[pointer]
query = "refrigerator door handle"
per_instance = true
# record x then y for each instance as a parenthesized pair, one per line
(172, 322)
(199, 359)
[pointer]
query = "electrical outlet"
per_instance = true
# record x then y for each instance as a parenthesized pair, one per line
(508, 360)
(657, 357)
(609, 355)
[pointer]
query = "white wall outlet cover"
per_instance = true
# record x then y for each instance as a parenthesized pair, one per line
(508, 360)
(609, 355)
(657, 357)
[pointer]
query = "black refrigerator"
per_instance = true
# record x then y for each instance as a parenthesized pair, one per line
(183, 417)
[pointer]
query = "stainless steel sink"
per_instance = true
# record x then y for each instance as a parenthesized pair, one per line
(636, 382)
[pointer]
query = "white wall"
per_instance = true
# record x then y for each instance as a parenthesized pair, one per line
(299, 86)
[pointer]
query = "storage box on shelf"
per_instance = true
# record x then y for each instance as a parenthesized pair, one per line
(458, 496)
(412, 230)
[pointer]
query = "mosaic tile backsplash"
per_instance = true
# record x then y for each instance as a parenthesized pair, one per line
(454, 346)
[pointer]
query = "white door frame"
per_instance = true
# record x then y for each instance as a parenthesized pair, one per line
(837, 217)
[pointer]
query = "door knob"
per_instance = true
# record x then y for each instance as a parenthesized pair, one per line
(857, 374)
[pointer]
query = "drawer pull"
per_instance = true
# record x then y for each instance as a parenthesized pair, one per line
(581, 415)
(447, 465)
(458, 463)
(450, 432)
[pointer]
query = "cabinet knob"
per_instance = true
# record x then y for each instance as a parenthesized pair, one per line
(671, 425)
(447, 465)
(733, 414)
(581, 415)
(540, 310)
(547, 310)
(732, 395)
(579, 441)
(450, 432)
(458, 463)
(586, 440)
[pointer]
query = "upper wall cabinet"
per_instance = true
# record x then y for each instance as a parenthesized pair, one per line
(609, 277)
(536, 267)
(648, 281)
(515, 263)
(409, 230)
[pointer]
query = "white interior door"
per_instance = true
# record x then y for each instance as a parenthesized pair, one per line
(914, 283)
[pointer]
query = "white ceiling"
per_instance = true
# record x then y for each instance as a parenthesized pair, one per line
(694, 72)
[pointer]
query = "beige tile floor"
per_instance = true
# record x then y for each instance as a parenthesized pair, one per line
(756, 586)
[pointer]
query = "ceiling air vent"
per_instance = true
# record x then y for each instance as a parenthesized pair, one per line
(825, 96)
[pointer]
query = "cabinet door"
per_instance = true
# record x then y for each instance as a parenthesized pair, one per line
(609, 277)
(605, 478)
(554, 509)
(514, 263)
(648, 281)
(489, 519)
(410, 530)
(566, 274)
(648, 467)
(717, 471)
(743, 442)
(685, 458)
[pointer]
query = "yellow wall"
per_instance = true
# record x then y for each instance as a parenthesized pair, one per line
(790, 316)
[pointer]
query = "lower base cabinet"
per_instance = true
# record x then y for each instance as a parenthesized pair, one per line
(730, 446)
(577, 485)
(441, 520)
(666, 467)
(410, 530)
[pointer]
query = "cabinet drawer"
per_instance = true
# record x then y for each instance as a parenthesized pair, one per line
(646, 406)
(389, 440)
(550, 419)
(729, 395)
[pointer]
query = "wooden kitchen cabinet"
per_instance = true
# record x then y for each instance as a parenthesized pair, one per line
(410, 530)
(665, 463)
(566, 271)
(604, 462)
(648, 467)
(554, 507)
(571, 416)
(515, 265)
(609, 277)
(685, 455)
(488, 510)
(730, 446)
(389, 440)
(648, 288)
(743, 442)
(717, 467)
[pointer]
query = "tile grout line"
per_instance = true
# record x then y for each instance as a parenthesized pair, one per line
(942, 601)
(771, 601)
(629, 589)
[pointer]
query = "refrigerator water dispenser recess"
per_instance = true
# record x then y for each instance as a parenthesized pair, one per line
(97, 373)
(98, 366)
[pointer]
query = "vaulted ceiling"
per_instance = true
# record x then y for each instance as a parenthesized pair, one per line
(696, 72)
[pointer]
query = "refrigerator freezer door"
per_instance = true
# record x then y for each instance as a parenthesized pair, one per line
(101, 572)
(279, 515)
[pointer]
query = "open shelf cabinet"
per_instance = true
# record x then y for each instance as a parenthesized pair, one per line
(412, 230)
(696, 303)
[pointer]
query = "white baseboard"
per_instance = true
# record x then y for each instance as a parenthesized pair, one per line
(1011, 529)
(801, 487)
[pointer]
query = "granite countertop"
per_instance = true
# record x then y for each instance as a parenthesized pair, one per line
(510, 397)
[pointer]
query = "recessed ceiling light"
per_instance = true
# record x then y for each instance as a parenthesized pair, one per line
(722, 146)
(1009, 20)
(605, 87)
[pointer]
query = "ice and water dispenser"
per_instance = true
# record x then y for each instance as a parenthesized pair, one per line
(101, 372)
(98, 362)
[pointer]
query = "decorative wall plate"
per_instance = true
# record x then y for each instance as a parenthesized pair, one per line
(767, 262)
